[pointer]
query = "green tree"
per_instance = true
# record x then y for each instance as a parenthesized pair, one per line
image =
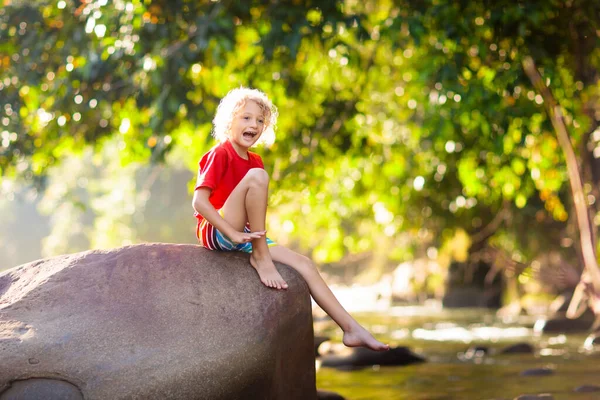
(487, 104)
(402, 124)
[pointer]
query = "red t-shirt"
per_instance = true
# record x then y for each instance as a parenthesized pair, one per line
(220, 170)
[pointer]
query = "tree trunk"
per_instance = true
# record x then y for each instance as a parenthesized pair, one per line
(589, 284)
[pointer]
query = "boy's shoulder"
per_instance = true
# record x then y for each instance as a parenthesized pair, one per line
(217, 152)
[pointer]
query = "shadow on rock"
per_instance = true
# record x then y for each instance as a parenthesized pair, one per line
(41, 389)
(362, 358)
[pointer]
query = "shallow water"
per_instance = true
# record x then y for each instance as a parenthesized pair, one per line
(442, 337)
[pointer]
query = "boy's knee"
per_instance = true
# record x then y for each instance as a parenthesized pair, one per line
(307, 265)
(257, 176)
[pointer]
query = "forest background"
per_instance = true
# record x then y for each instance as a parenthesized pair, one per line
(408, 130)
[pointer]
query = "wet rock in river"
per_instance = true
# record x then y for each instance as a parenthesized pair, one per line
(318, 341)
(543, 396)
(537, 372)
(479, 351)
(327, 395)
(587, 389)
(518, 348)
(561, 324)
(592, 342)
(474, 352)
(362, 358)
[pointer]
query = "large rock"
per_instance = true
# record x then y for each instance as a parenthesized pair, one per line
(153, 321)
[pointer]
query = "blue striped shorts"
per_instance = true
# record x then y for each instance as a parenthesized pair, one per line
(213, 239)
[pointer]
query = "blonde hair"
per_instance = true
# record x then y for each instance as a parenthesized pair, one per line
(233, 102)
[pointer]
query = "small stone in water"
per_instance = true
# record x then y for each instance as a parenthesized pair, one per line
(542, 396)
(518, 348)
(327, 395)
(476, 352)
(592, 341)
(537, 372)
(587, 388)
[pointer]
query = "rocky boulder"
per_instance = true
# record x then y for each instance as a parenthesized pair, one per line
(153, 321)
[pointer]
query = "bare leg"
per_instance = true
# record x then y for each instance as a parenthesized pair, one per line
(248, 202)
(355, 335)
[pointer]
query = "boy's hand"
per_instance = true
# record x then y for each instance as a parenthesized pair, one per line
(245, 237)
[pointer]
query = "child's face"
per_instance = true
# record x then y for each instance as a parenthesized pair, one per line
(247, 126)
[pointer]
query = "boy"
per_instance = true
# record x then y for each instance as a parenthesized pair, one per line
(231, 196)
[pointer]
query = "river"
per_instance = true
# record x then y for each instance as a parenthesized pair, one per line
(451, 372)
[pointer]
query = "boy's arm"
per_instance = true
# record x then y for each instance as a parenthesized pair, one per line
(203, 206)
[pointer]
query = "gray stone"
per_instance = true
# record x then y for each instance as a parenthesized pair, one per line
(319, 340)
(362, 357)
(476, 351)
(327, 395)
(537, 372)
(154, 321)
(561, 324)
(592, 342)
(518, 348)
(587, 389)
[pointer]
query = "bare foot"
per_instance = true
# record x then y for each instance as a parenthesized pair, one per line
(267, 272)
(358, 336)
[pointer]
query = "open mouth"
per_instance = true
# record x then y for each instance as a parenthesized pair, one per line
(249, 134)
